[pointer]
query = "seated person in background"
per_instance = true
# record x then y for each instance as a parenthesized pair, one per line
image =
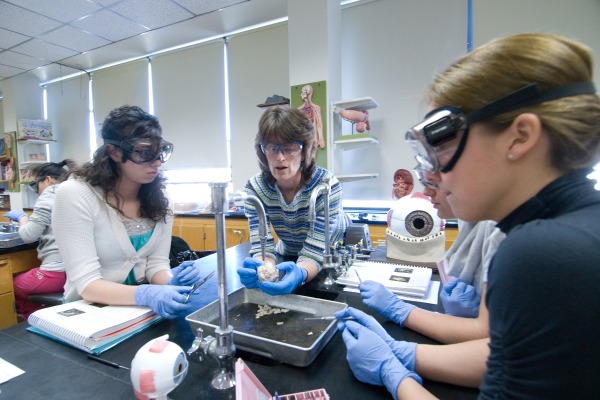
(517, 150)
(49, 277)
(467, 258)
(113, 221)
(286, 150)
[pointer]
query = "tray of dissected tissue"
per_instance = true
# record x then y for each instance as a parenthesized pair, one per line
(273, 326)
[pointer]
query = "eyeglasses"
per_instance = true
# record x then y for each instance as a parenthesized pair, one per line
(288, 149)
(421, 176)
(144, 151)
(440, 139)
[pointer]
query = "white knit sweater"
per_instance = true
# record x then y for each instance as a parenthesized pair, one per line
(94, 244)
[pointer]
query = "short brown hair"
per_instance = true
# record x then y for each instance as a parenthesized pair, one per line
(286, 125)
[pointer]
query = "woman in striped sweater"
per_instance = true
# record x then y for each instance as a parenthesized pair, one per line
(286, 150)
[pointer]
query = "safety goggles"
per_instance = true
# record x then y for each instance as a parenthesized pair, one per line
(288, 149)
(440, 139)
(144, 151)
(421, 176)
(35, 184)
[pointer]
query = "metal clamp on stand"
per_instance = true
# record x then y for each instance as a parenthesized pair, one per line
(329, 265)
(221, 347)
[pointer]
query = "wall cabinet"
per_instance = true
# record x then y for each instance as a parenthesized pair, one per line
(16, 159)
(10, 265)
(30, 152)
(200, 233)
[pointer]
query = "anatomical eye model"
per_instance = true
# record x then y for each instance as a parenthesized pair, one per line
(415, 232)
(414, 217)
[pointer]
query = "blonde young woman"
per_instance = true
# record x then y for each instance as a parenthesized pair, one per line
(513, 132)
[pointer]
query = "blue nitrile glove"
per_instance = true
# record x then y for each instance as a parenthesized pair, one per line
(294, 276)
(460, 299)
(386, 303)
(248, 274)
(404, 351)
(15, 215)
(186, 274)
(164, 300)
(371, 360)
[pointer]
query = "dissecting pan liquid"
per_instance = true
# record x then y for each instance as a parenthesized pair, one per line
(287, 327)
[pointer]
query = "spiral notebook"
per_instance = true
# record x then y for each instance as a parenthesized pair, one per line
(408, 280)
(91, 327)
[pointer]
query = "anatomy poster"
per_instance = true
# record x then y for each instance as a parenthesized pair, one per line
(311, 99)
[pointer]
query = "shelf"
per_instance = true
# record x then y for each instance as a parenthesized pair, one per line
(38, 141)
(356, 177)
(348, 142)
(360, 104)
(25, 163)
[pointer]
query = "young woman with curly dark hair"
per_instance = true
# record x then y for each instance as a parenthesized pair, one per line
(113, 221)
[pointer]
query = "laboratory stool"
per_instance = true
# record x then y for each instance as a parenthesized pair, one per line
(47, 299)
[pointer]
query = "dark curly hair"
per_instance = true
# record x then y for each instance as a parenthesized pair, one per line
(285, 125)
(127, 123)
(54, 170)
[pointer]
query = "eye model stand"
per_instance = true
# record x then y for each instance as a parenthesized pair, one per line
(222, 347)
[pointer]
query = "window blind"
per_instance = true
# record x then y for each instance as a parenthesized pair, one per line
(258, 68)
(117, 86)
(68, 109)
(189, 100)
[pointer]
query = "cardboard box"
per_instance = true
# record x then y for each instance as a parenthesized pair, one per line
(34, 129)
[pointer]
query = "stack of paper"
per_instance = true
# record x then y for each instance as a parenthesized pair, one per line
(408, 280)
(91, 327)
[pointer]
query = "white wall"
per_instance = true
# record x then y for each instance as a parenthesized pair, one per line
(576, 19)
(390, 51)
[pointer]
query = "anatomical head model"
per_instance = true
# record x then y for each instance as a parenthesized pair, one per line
(403, 183)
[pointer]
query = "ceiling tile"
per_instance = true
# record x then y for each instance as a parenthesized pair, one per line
(17, 60)
(205, 6)
(105, 3)
(74, 39)
(41, 49)
(23, 21)
(61, 10)
(9, 39)
(54, 71)
(152, 14)
(109, 25)
(6, 71)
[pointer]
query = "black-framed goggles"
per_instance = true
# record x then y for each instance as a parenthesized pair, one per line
(35, 184)
(144, 151)
(440, 138)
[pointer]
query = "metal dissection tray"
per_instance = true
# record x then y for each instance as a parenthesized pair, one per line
(10, 240)
(283, 336)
